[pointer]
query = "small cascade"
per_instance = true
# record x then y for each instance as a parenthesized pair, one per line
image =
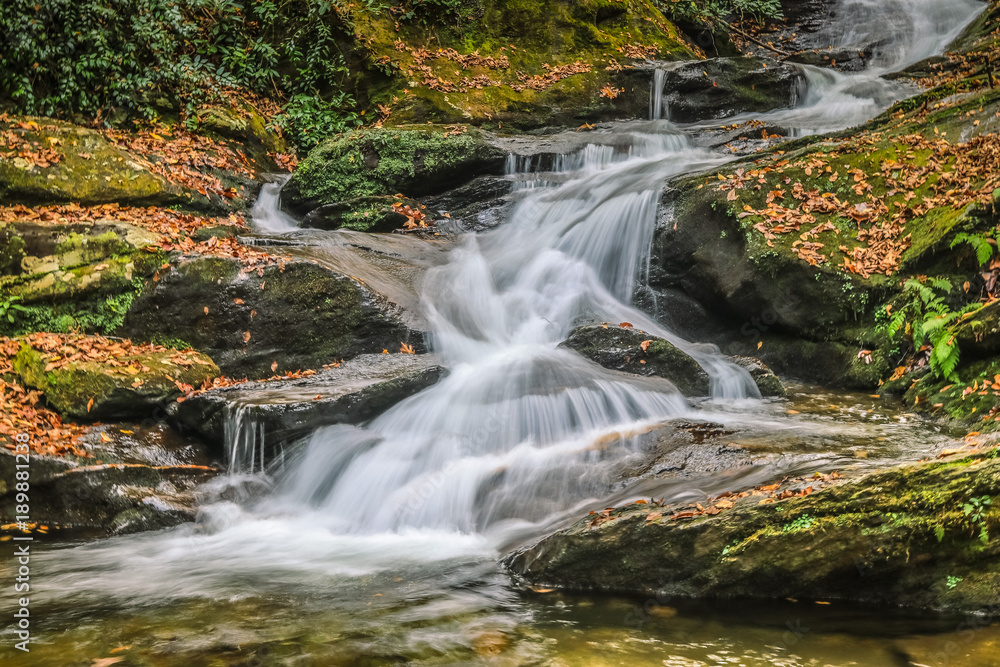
(244, 441)
(658, 107)
(266, 213)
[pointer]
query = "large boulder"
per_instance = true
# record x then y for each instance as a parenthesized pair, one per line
(94, 378)
(275, 319)
(915, 536)
(67, 163)
(72, 276)
(724, 87)
(280, 411)
(634, 351)
(383, 162)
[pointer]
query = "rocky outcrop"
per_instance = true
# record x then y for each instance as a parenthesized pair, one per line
(900, 537)
(384, 162)
(79, 165)
(767, 382)
(724, 87)
(281, 318)
(138, 478)
(634, 351)
(282, 411)
(97, 388)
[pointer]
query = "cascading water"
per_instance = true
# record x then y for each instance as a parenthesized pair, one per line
(520, 431)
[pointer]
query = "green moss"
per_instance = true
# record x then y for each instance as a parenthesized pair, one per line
(378, 162)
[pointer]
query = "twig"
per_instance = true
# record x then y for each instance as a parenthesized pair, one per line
(755, 40)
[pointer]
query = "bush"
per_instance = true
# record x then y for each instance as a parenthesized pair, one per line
(139, 58)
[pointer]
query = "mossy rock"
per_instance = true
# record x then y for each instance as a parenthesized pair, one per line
(141, 385)
(75, 276)
(363, 214)
(767, 382)
(297, 315)
(897, 537)
(386, 161)
(596, 38)
(979, 336)
(621, 349)
(723, 87)
(90, 171)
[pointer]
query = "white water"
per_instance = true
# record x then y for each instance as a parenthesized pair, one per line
(521, 430)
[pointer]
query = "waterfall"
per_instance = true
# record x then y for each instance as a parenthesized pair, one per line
(266, 212)
(244, 440)
(658, 107)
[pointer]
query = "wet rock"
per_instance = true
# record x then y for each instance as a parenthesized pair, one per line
(113, 499)
(767, 382)
(282, 411)
(621, 349)
(298, 315)
(724, 87)
(94, 390)
(363, 214)
(137, 477)
(895, 537)
(844, 59)
(382, 162)
(829, 363)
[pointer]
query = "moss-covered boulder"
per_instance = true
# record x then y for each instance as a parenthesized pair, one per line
(920, 536)
(634, 351)
(522, 64)
(723, 87)
(362, 214)
(87, 378)
(384, 162)
(767, 382)
(280, 318)
(72, 276)
(67, 163)
(980, 335)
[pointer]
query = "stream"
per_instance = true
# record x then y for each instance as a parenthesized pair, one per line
(378, 544)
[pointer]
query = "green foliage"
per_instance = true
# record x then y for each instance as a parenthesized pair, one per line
(9, 307)
(804, 522)
(975, 511)
(139, 58)
(983, 245)
(311, 119)
(927, 316)
(952, 581)
(714, 12)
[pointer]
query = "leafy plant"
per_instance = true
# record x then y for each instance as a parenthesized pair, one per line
(9, 307)
(927, 316)
(804, 522)
(984, 245)
(975, 511)
(952, 581)
(311, 119)
(714, 12)
(128, 59)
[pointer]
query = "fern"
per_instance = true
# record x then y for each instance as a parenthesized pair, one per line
(983, 245)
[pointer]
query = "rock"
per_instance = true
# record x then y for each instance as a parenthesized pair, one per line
(363, 214)
(244, 124)
(89, 171)
(845, 59)
(898, 537)
(767, 382)
(980, 335)
(620, 349)
(134, 389)
(143, 477)
(724, 87)
(281, 411)
(297, 315)
(829, 363)
(113, 499)
(73, 276)
(382, 162)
